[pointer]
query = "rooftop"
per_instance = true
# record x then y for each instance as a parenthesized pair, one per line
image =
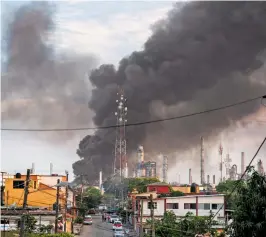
(158, 184)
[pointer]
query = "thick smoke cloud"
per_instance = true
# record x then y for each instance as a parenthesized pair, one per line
(39, 87)
(201, 56)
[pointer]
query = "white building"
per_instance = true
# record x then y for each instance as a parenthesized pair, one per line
(199, 205)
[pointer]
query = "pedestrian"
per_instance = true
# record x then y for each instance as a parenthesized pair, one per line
(102, 217)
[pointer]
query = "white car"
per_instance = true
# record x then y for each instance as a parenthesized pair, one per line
(87, 220)
(119, 233)
(114, 218)
(117, 225)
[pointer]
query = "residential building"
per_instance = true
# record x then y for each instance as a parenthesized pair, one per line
(199, 205)
(42, 193)
(159, 188)
(163, 188)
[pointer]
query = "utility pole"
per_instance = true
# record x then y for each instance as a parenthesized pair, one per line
(26, 192)
(66, 201)
(82, 184)
(152, 216)
(57, 206)
(2, 188)
(141, 218)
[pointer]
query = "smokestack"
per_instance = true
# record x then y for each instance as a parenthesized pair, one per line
(51, 168)
(100, 180)
(190, 177)
(202, 172)
(213, 179)
(33, 168)
(242, 162)
(126, 171)
(208, 179)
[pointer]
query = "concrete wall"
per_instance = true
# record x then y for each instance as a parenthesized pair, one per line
(197, 209)
(159, 211)
(181, 211)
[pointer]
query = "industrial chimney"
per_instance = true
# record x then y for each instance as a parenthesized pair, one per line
(51, 168)
(202, 172)
(100, 180)
(189, 177)
(242, 163)
(32, 168)
(213, 179)
(208, 179)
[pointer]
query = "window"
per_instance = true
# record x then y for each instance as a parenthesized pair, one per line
(189, 205)
(18, 184)
(172, 206)
(204, 206)
(154, 205)
(214, 206)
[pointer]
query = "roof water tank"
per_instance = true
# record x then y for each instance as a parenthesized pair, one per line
(18, 175)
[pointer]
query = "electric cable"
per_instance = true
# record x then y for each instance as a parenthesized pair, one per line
(138, 123)
(238, 181)
(261, 101)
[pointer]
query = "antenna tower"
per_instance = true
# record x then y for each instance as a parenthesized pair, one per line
(202, 172)
(165, 168)
(120, 162)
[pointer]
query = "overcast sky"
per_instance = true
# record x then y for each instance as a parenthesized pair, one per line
(110, 31)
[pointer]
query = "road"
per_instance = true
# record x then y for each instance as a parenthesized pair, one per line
(97, 229)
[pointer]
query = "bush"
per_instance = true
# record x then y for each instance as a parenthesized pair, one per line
(46, 228)
(79, 220)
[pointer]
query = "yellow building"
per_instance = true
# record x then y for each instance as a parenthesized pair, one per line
(185, 190)
(42, 191)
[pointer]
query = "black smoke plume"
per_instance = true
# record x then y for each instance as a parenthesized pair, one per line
(202, 56)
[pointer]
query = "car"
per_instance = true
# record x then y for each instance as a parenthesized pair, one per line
(117, 225)
(87, 220)
(119, 233)
(114, 218)
(92, 211)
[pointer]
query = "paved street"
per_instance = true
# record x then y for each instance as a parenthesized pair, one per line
(97, 229)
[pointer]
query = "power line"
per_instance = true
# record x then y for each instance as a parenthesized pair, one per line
(238, 181)
(138, 123)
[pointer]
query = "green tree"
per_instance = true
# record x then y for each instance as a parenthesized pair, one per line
(188, 226)
(140, 184)
(227, 187)
(249, 216)
(29, 223)
(92, 197)
(114, 185)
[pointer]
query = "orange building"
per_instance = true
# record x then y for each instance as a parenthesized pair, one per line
(42, 193)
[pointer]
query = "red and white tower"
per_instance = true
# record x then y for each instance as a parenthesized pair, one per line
(120, 163)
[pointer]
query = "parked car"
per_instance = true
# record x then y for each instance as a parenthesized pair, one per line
(102, 207)
(117, 225)
(119, 233)
(114, 218)
(87, 220)
(92, 212)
